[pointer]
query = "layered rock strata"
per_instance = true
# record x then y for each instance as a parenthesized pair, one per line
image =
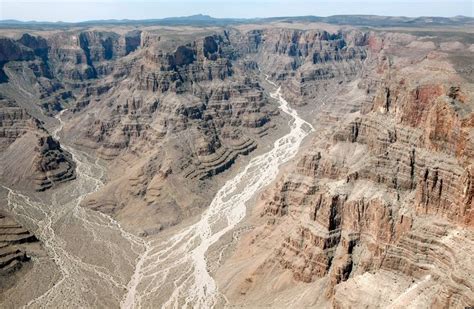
(183, 114)
(30, 158)
(15, 242)
(383, 195)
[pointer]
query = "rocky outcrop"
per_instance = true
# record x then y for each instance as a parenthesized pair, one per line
(411, 183)
(37, 162)
(12, 51)
(53, 165)
(15, 243)
(199, 61)
(30, 157)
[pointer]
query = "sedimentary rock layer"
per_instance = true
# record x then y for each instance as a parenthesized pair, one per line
(15, 242)
(383, 194)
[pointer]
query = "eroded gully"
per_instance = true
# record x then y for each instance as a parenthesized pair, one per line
(174, 273)
(171, 273)
(93, 254)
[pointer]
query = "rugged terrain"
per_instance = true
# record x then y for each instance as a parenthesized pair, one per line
(144, 146)
(380, 203)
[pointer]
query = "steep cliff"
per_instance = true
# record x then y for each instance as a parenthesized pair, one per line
(381, 202)
(174, 112)
(308, 63)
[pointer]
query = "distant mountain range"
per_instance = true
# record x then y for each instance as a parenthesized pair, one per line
(206, 20)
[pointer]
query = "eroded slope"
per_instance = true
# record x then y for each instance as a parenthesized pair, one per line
(383, 194)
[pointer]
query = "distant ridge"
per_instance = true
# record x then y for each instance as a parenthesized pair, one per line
(206, 20)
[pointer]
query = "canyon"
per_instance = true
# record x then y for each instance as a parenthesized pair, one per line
(279, 163)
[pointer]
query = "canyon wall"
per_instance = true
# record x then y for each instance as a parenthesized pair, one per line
(168, 108)
(380, 203)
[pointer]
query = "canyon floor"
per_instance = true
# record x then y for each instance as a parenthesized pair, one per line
(285, 163)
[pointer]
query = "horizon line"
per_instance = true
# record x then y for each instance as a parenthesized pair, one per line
(207, 16)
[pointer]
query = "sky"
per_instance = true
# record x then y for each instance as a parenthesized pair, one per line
(80, 10)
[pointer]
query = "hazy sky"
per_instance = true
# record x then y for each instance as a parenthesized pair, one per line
(74, 10)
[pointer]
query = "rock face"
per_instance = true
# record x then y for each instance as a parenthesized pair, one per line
(376, 211)
(87, 54)
(30, 157)
(53, 165)
(167, 110)
(383, 195)
(182, 113)
(15, 122)
(312, 61)
(15, 243)
(57, 67)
